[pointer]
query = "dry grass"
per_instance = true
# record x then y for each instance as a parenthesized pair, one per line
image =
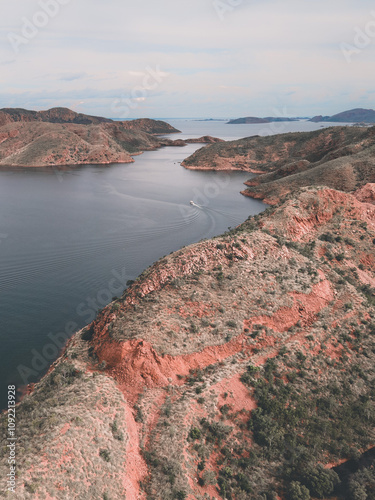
(62, 428)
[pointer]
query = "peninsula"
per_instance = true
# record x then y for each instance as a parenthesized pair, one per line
(60, 136)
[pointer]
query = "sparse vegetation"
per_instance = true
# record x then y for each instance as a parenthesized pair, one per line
(259, 417)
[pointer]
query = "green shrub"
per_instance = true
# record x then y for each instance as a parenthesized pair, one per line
(195, 433)
(327, 237)
(105, 455)
(297, 491)
(320, 481)
(231, 324)
(180, 495)
(64, 374)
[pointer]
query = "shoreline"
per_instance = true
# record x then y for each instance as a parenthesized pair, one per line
(172, 143)
(230, 169)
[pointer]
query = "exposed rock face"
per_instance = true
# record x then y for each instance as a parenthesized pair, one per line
(60, 136)
(339, 157)
(229, 369)
(366, 194)
(358, 115)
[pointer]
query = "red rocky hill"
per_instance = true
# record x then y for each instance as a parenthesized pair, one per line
(239, 367)
(60, 136)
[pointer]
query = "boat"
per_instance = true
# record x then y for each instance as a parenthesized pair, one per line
(195, 204)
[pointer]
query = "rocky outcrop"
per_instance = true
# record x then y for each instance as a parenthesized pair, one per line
(234, 367)
(366, 194)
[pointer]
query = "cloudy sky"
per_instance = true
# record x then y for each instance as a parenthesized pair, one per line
(188, 58)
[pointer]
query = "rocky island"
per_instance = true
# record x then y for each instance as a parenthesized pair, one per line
(255, 120)
(239, 367)
(357, 115)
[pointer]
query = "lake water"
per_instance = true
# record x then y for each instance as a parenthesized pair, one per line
(71, 238)
(196, 128)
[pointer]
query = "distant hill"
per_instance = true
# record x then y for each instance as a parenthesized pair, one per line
(254, 119)
(65, 115)
(60, 136)
(358, 115)
(53, 115)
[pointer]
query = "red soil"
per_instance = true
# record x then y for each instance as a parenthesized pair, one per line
(238, 397)
(304, 309)
(136, 468)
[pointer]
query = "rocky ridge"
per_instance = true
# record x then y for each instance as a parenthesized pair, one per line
(60, 136)
(238, 367)
(65, 115)
(339, 157)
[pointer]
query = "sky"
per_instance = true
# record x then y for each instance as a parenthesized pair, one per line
(188, 58)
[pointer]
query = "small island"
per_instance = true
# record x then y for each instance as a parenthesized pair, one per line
(255, 120)
(357, 115)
